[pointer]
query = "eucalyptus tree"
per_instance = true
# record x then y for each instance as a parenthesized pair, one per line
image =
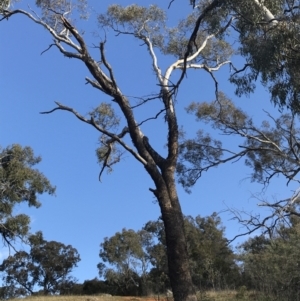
(126, 255)
(270, 266)
(198, 42)
(20, 182)
(48, 266)
(149, 26)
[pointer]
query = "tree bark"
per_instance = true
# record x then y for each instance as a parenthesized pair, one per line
(178, 261)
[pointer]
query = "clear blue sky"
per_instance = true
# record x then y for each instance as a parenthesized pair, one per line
(84, 210)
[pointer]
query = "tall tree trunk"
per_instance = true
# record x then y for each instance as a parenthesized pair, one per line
(178, 260)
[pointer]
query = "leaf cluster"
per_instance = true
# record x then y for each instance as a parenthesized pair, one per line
(271, 50)
(151, 23)
(19, 182)
(271, 265)
(47, 265)
(52, 10)
(270, 149)
(108, 153)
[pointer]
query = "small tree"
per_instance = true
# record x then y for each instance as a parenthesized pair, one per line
(126, 252)
(271, 266)
(47, 265)
(211, 259)
(19, 182)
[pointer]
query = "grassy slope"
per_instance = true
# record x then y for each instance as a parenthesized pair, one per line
(208, 296)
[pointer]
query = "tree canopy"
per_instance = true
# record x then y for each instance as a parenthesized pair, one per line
(47, 266)
(19, 182)
(270, 266)
(137, 260)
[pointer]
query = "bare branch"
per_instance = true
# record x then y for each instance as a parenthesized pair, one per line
(56, 36)
(152, 118)
(143, 100)
(94, 83)
(107, 65)
(281, 211)
(48, 48)
(100, 129)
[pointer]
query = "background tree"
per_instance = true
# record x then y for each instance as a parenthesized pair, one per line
(19, 182)
(88, 287)
(271, 265)
(48, 265)
(125, 252)
(157, 253)
(212, 262)
(94, 286)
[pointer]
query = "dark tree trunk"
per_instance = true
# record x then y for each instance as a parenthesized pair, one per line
(178, 261)
(179, 272)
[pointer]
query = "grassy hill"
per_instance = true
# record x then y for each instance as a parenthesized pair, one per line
(207, 296)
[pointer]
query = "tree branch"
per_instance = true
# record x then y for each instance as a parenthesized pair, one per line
(192, 41)
(56, 36)
(100, 129)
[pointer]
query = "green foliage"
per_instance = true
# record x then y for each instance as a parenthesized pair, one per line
(268, 35)
(135, 19)
(150, 23)
(108, 153)
(105, 116)
(212, 262)
(126, 252)
(198, 153)
(47, 265)
(19, 182)
(94, 286)
(269, 149)
(141, 257)
(271, 266)
(271, 50)
(157, 254)
(51, 11)
(88, 287)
